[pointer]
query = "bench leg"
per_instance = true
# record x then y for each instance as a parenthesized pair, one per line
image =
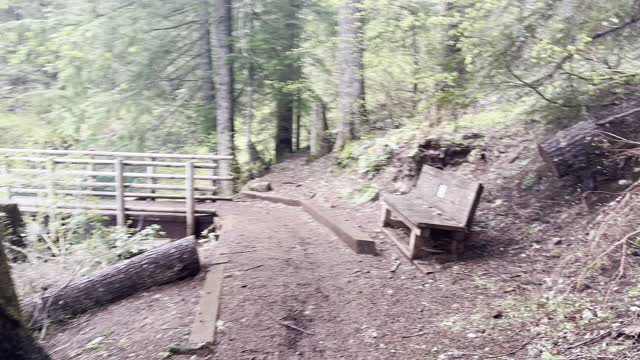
(386, 216)
(416, 242)
(457, 244)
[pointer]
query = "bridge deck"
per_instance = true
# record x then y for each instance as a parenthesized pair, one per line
(170, 215)
(170, 208)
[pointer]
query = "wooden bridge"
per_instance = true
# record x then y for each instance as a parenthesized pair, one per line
(128, 188)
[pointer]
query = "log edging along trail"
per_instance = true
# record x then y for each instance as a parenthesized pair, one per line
(357, 240)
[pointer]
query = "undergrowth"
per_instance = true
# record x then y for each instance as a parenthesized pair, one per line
(72, 246)
(371, 155)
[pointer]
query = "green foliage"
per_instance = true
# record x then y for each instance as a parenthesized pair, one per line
(100, 76)
(84, 235)
(369, 157)
(549, 356)
(545, 52)
(121, 75)
(115, 243)
(365, 193)
(484, 120)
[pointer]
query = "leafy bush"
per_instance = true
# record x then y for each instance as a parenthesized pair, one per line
(84, 236)
(371, 155)
(365, 193)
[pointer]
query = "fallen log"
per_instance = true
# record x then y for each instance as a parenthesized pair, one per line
(586, 146)
(172, 262)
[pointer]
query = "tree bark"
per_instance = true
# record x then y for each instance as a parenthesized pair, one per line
(16, 341)
(252, 151)
(415, 59)
(319, 141)
(351, 94)
(11, 224)
(172, 262)
(224, 83)
(284, 131)
(206, 66)
(453, 62)
(289, 72)
(298, 119)
(584, 147)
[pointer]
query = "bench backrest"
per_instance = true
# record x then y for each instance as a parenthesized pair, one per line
(452, 194)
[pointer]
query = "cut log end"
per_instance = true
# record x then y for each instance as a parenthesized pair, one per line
(587, 147)
(548, 160)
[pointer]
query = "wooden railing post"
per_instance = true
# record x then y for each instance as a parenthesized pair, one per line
(225, 186)
(189, 199)
(121, 216)
(213, 173)
(91, 167)
(150, 180)
(5, 174)
(51, 190)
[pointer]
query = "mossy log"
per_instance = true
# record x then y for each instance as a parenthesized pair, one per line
(11, 226)
(16, 341)
(172, 262)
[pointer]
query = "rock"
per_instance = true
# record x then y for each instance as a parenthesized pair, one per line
(629, 331)
(472, 136)
(475, 155)
(260, 186)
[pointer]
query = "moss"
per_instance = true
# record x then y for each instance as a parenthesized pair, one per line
(485, 119)
(345, 155)
(8, 299)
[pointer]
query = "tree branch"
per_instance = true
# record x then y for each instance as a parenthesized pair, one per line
(536, 90)
(174, 27)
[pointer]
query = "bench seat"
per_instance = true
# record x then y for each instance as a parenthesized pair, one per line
(440, 200)
(421, 213)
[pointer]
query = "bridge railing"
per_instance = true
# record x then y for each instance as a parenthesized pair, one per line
(52, 174)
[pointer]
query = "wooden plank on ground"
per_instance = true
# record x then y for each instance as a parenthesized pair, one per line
(357, 240)
(203, 330)
(272, 198)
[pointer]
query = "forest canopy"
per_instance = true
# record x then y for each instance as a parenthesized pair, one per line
(146, 75)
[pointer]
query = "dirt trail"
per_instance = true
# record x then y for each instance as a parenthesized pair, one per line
(285, 268)
(292, 271)
(345, 306)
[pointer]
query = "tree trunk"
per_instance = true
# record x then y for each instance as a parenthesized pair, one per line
(415, 59)
(319, 141)
(224, 89)
(289, 72)
(584, 147)
(351, 95)
(16, 341)
(251, 149)
(298, 118)
(206, 67)
(11, 224)
(452, 59)
(284, 131)
(172, 262)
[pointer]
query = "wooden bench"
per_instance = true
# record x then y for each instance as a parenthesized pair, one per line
(440, 201)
